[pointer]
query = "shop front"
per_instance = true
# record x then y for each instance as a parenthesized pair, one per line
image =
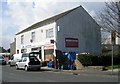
(48, 52)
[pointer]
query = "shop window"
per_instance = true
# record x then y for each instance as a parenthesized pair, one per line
(49, 52)
(36, 49)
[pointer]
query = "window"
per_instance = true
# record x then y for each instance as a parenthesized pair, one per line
(25, 55)
(49, 33)
(23, 50)
(49, 52)
(36, 49)
(33, 36)
(24, 59)
(17, 51)
(22, 39)
(12, 57)
(42, 31)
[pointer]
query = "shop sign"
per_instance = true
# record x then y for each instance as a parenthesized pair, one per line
(49, 47)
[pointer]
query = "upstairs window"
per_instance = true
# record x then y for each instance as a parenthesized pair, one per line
(33, 36)
(49, 33)
(22, 39)
(17, 51)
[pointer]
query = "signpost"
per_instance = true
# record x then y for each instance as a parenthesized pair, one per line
(113, 41)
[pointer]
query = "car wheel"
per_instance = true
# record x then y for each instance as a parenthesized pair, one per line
(39, 68)
(17, 67)
(10, 65)
(26, 68)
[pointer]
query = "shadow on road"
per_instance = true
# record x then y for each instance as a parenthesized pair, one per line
(41, 70)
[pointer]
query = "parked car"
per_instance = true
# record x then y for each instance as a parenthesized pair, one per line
(2, 60)
(27, 63)
(17, 57)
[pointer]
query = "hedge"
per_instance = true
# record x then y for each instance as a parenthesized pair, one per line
(97, 60)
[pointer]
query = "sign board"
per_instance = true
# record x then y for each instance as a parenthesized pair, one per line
(113, 37)
(52, 41)
(71, 42)
(49, 47)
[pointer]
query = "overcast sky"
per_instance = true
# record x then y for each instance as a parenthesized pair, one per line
(16, 15)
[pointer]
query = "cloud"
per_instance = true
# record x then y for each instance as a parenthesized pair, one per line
(21, 14)
(6, 40)
(26, 13)
(0, 33)
(92, 13)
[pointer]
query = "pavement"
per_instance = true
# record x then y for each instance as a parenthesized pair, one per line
(87, 71)
(0, 74)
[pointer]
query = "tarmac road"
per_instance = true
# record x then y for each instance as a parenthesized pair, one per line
(10, 74)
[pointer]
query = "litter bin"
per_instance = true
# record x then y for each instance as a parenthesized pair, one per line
(50, 64)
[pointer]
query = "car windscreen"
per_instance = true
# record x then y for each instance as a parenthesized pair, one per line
(33, 54)
(34, 58)
(1, 57)
(25, 55)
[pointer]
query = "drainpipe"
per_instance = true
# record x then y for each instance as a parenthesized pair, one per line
(43, 53)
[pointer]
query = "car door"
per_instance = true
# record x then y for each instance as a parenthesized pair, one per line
(24, 61)
(12, 59)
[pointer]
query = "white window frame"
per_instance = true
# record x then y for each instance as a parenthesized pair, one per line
(22, 39)
(49, 33)
(33, 36)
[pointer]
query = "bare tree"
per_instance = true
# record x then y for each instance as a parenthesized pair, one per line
(109, 18)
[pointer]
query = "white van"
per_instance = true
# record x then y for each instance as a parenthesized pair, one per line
(15, 58)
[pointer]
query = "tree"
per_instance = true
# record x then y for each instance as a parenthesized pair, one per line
(8, 50)
(109, 17)
(2, 50)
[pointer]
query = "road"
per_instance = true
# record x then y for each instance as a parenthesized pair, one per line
(10, 74)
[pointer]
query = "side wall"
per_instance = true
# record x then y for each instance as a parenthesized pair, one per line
(78, 24)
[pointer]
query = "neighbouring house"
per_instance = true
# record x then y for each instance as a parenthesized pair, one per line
(107, 40)
(13, 47)
(107, 43)
(71, 31)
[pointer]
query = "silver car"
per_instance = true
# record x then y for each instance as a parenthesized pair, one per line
(2, 60)
(27, 63)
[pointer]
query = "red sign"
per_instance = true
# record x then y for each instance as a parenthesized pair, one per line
(49, 47)
(71, 42)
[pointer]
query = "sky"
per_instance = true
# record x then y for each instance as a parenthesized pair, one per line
(16, 15)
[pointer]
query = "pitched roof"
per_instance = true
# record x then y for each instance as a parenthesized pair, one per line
(47, 21)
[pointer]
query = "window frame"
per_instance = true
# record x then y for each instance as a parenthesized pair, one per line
(33, 36)
(22, 39)
(49, 33)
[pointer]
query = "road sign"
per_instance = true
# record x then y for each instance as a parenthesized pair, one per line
(113, 41)
(113, 37)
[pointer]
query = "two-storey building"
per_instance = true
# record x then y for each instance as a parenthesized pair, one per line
(71, 31)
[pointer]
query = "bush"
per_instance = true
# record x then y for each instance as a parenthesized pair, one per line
(85, 59)
(98, 60)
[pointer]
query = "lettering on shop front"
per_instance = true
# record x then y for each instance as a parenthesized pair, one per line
(71, 42)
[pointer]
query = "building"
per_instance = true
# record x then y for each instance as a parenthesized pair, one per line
(71, 31)
(107, 43)
(13, 47)
(107, 39)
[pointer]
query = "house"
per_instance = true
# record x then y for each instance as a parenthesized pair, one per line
(13, 47)
(107, 43)
(71, 31)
